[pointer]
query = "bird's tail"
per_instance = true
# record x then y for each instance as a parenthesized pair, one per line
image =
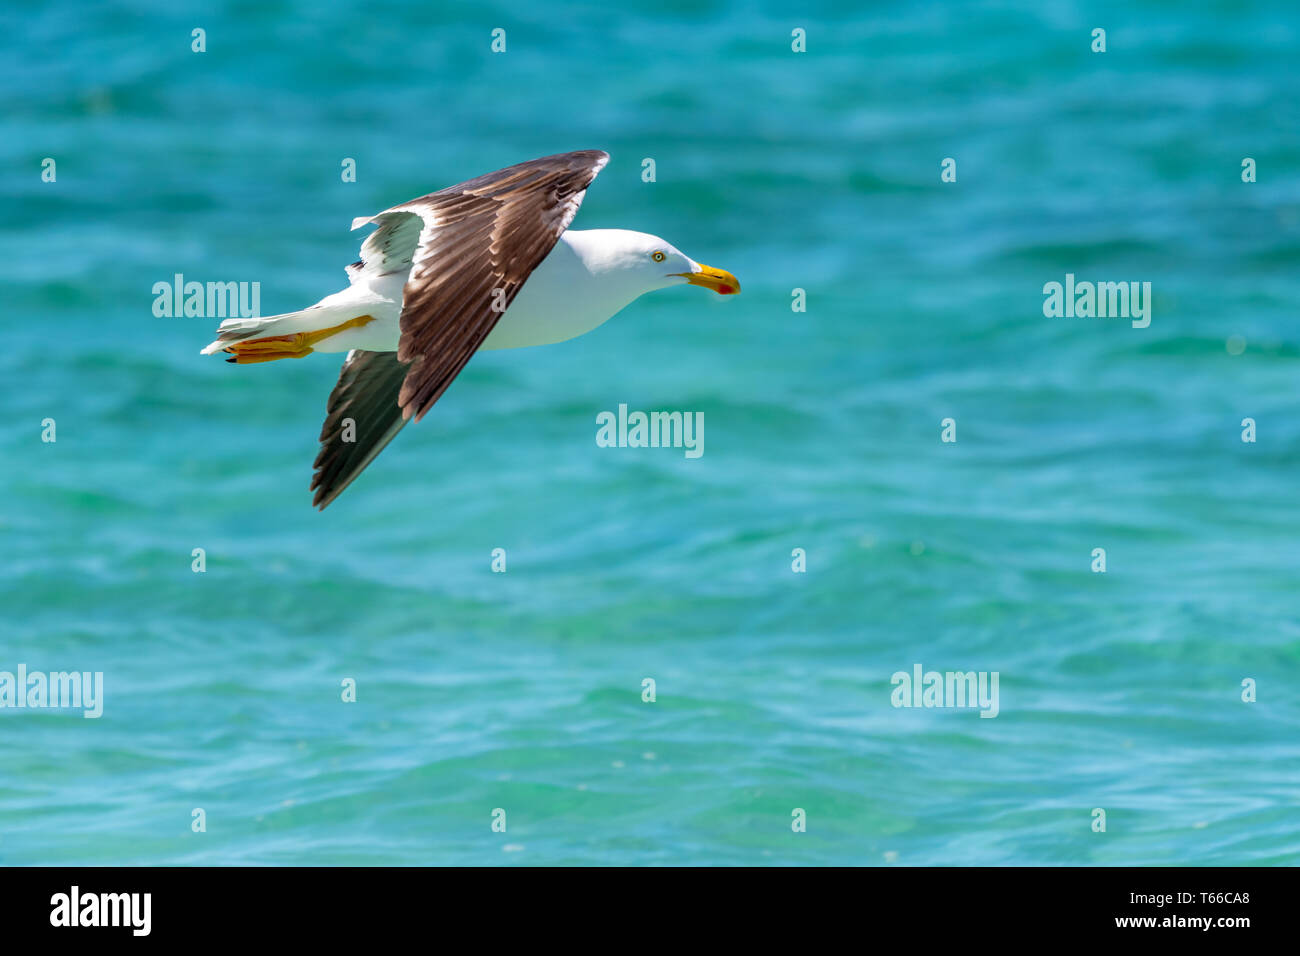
(291, 335)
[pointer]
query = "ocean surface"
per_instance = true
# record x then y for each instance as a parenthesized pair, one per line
(517, 697)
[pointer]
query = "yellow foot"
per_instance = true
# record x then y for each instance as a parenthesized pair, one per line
(273, 347)
(269, 349)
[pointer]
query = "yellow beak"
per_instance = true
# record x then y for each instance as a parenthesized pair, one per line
(719, 280)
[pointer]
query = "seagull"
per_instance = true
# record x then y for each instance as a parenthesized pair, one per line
(489, 263)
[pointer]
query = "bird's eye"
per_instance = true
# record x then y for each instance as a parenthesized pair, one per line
(658, 257)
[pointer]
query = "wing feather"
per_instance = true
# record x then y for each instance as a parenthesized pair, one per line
(465, 251)
(362, 417)
(478, 243)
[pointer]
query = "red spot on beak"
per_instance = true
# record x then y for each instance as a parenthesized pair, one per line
(719, 280)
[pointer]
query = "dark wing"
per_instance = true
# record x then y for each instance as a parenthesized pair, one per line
(479, 241)
(466, 250)
(363, 416)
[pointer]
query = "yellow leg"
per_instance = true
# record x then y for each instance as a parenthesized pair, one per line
(273, 347)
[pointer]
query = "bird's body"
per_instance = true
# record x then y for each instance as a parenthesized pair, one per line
(545, 312)
(486, 264)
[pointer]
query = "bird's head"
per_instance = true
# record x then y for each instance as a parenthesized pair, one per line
(651, 263)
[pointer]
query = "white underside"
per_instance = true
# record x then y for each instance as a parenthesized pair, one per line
(559, 301)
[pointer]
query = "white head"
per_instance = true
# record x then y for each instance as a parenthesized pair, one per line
(638, 262)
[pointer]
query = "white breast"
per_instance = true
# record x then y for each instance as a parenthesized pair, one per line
(561, 300)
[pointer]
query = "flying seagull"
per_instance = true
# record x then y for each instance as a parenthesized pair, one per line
(487, 264)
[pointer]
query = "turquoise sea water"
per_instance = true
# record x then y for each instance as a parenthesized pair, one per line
(522, 691)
